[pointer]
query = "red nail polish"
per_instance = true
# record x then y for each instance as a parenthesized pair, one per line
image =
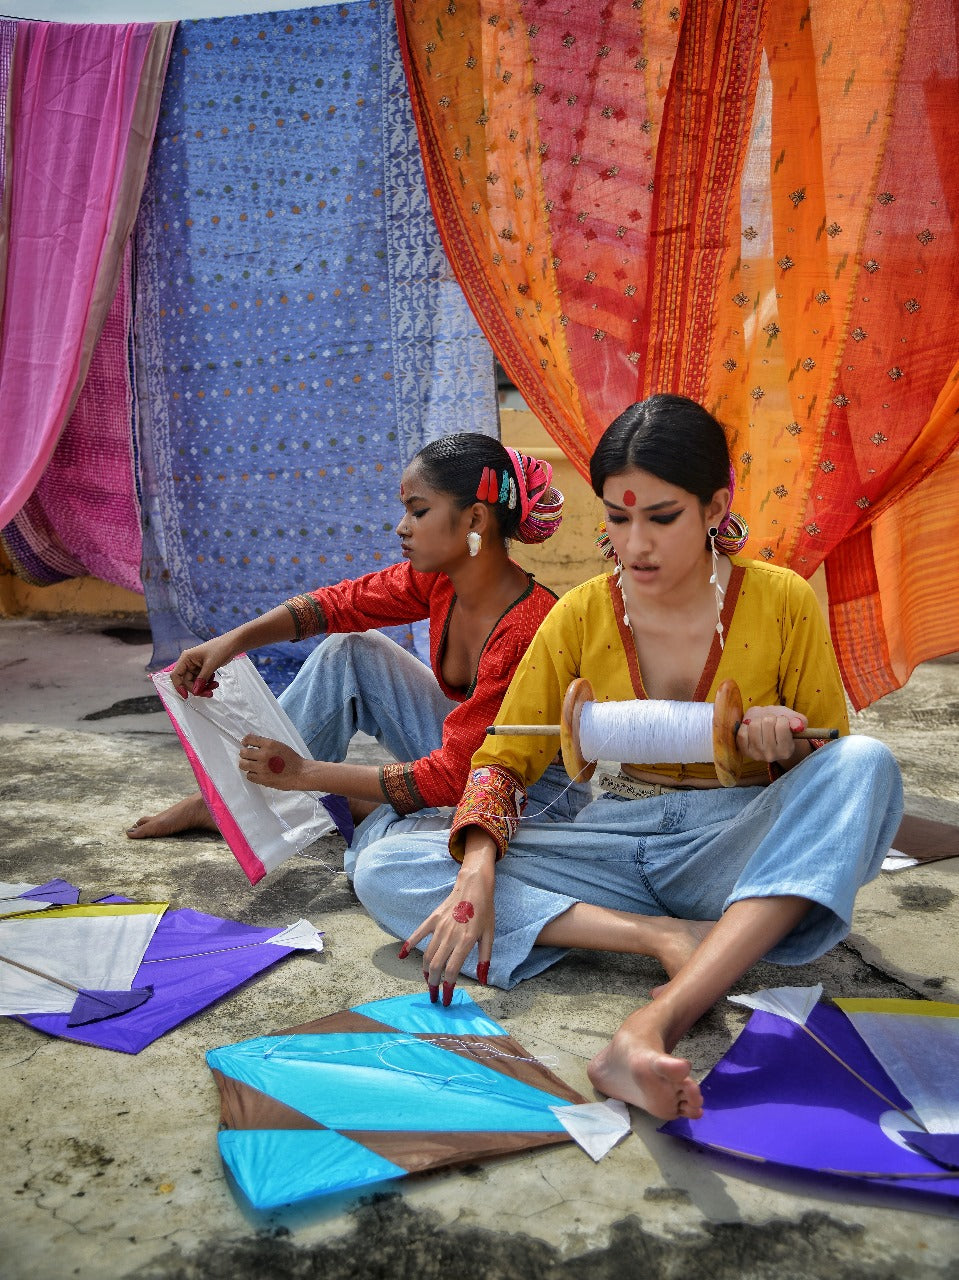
(404, 950)
(482, 972)
(197, 687)
(434, 993)
(447, 993)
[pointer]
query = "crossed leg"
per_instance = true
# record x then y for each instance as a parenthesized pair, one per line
(586, 927)
(638, 1065)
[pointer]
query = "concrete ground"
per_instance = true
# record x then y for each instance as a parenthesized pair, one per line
(110, 1166)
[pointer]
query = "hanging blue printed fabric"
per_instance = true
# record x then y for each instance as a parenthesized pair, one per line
(299, 332)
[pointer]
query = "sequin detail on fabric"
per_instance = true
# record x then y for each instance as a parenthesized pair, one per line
(492, 801)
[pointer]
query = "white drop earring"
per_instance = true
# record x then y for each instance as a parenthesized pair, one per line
(474, 541)
(713, 533)
(618, 575)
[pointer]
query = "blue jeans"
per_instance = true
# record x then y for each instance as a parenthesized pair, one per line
(819, 832)
(364, 682)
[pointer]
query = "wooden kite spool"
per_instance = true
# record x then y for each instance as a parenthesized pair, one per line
(727, 717)
(727, 714)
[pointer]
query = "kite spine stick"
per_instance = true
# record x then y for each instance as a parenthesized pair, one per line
(38, 973)
(862, 1080)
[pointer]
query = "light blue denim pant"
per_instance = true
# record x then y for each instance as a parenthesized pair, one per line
(365, 682)
(819, 833)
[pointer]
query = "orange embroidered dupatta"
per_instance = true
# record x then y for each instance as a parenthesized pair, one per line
(746, 202)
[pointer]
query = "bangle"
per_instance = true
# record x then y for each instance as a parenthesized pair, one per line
(308, 617)
(399, 788)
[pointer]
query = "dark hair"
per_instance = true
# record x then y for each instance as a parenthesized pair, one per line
(471, 467)
(454, 465)
(671, 437)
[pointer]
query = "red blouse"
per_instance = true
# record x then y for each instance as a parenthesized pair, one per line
(401, 594)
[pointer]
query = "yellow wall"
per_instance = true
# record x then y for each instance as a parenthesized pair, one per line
(569, 556)
(78, 597)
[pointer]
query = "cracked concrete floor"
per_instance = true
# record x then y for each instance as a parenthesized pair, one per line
(110, 1166)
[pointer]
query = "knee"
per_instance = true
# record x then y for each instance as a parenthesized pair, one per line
(364, 873)
(868, 765)
(369, 873)
(333, 652)
(868, 756)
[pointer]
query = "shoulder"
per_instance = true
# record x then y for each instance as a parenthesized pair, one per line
(772, 579)
(403, 578)
(772, 586)
(522, 618)
(571, 610)
(591, 594)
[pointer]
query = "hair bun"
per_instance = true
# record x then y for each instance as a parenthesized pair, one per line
(541, 504)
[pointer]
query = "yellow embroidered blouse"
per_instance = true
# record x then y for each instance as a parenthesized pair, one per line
(777, 649)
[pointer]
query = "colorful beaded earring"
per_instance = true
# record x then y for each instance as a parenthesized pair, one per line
(603, 542)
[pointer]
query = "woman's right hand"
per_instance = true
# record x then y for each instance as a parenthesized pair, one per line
(195, 668)
(464, 920)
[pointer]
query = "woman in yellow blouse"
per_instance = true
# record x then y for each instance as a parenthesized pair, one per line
(665, 862)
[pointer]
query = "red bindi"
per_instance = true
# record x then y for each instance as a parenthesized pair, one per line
(463, 911)
(276, 764)
(629, 498)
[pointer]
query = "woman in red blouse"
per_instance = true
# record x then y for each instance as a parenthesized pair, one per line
(464, 497)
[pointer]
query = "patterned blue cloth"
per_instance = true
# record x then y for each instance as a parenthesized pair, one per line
(299, 332)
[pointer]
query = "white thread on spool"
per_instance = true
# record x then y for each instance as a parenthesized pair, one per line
(647, 732)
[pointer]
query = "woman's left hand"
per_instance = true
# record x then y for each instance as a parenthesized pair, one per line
(766, 733)
(273, 764)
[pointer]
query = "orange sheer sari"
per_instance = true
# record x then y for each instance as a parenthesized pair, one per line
(750, 203)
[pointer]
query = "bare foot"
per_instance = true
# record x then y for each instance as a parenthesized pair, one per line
(678, 940)
(636, 1068)
(190, 814)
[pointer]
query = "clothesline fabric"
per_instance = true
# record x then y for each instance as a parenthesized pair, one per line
(748, 203)
(83, 517)
(7, 35)
(80, 110)
(299, 332)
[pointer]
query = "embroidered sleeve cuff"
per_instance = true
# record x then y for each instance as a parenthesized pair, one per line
(308, 619)
(399, 788)
(492, 801)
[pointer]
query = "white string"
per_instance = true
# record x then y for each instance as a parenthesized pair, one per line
(466, 1080)
(649, 731)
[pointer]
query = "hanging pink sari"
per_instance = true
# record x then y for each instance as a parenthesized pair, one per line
(82, 107)
(748, 203)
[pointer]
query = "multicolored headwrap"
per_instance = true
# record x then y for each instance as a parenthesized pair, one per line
(541, 505)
